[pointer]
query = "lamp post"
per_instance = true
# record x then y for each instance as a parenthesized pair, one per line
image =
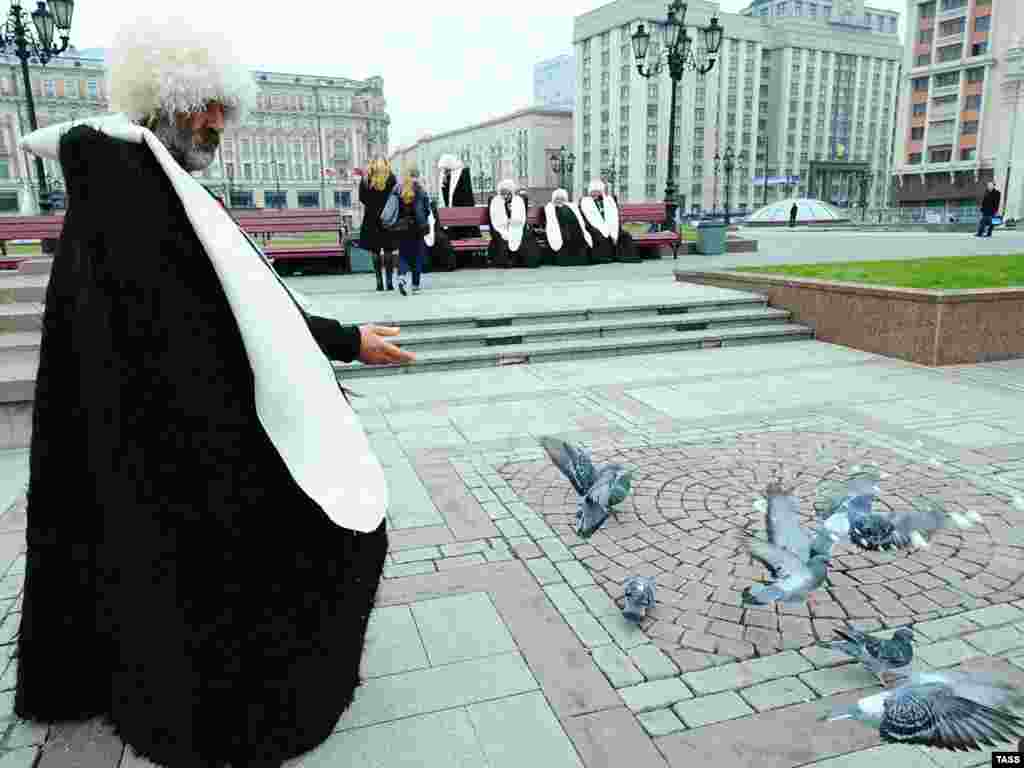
(563, 164)
(681, 56)
(729, 165)
(610, 173)
(483, 182)
(18, 35)
(764, 140)
(865, 179)
(718, 166)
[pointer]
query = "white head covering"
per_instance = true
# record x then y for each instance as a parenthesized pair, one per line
(449, 163)
(507, 185)
(596, 186)
(177, 65)
(559, 196)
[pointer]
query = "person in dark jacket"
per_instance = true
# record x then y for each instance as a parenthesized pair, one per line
(442, 256)
(512, 241)
(792, 215)
(567, 236)
(374, 190)
(413, 226)
(455, 190)
(601, 215)
(989, 208)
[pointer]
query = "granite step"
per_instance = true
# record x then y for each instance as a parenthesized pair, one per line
(23, 288)
(20, 316)
(584, 348)
(602, 328)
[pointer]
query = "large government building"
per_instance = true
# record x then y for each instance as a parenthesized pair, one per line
(298, 148)
(804, 92)
(960, 123)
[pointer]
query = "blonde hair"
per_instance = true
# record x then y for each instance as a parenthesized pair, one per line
(379, 170)
(409, 177)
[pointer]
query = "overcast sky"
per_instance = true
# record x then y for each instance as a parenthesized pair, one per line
(445, 64)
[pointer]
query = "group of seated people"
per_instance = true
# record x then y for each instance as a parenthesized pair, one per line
(566, 234)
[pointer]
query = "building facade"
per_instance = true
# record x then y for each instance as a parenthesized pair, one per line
(554, 82)
(297, 148)
(516, 146)
(791, 87)
(960, 123)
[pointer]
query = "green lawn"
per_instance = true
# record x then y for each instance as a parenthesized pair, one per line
(949, 272)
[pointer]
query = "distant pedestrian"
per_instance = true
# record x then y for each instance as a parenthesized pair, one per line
(374, 189)
(792, 215)
(413, 226)
(989, 208)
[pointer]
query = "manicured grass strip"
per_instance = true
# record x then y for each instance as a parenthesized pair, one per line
(940, 273)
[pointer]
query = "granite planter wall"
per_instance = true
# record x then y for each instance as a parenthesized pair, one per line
(922, 326)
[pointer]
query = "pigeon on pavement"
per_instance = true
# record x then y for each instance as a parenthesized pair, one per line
(782, 521)
(599, 488)
(880, 657)
(639, 597)
(958, 711)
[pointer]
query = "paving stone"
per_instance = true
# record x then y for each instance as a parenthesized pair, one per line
(597, 601)
(721, 678)
(384, 699)
(940, 629)
(565, 599)
(823, 657)
(555, 549)
(536, 527)
(778, 665)
(408, 569)
(19, 758)
(464, 548)
(482, 494)
(392, 643)
(617, 666)
(544, 571)
(613, 738)
(525, 549)
(495, 510)
(521, 730)
(660, 722)
(26, 734)
(994, 615)
(588, 630)
(461, 627)
(944, 759)
(652, 662)
(777, 693)
(626, 633)
(826, 682)
(948, 653)
(460, 562)
(575, 574)
(510, 527)
(417, 554)
(499, 552)
(711, 709)
(996, 640)
(894, 755)
(655, 695)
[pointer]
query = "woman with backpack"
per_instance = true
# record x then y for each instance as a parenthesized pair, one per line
(374, 190)
(406, 217)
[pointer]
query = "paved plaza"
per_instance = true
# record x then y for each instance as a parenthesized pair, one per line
(498, 638)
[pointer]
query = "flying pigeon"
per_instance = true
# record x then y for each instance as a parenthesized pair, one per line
(782, 521)
(878, 656)
(848, 514)
(599, 488)
(639, 597)
(957, 711)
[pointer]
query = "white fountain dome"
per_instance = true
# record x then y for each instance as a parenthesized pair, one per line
(808, 211)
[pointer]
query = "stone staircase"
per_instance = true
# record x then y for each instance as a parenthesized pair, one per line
(587, 326)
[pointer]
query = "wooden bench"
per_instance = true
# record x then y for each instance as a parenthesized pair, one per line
(478, 215)
(261, 223)
(28, 228)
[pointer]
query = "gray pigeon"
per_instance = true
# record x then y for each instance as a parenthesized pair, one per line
(599, 489)
(958, 711)
(795, 579)
(848, 514)
(639, 597)
(782, 521)
(880, 657)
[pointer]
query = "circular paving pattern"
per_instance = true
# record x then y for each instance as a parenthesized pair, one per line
(688, 503)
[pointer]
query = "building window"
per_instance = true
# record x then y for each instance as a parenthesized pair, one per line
(976, 75)
(914, 159)
(309, 199)
(923, 60)
(342, 198)
(950, 53)
(916, 134)
(969, 128)
(972, 103)
(947, 79)
(940, 155)
(9, 202)
(50, 88)
(247, 170)
(927, 11)
(275, 198)
(952, 27)
(920, 83)
(979, 49)
(983, 24)
(968, 154)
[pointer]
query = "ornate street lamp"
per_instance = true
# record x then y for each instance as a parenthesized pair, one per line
(763, 141)
(563, 164)
(718, 167)
(865, 179)
(483, 181)
(728, 165)
(681, 56)
(17, 38)
(610, 172)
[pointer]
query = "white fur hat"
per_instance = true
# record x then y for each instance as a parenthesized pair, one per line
(559, 196)
(596, 186)
(449, 163)
(175, 65)
(507, 185)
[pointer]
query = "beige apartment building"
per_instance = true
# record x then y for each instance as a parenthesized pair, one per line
(960, 116)
(805, 92)
(297, 148)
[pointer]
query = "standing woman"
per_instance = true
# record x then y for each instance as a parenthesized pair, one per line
(374, 190)
(413, 225)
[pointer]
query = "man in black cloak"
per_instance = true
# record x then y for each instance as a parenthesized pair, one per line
(455, 190)
(601, 213)
(205, 515)
(567, 236)
(513, 243)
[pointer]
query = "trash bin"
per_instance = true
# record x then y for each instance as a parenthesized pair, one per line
(360, 258)
(711, 237)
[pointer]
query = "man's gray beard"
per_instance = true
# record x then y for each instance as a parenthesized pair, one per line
(180, 142)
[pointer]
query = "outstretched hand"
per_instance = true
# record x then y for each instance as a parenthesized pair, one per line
(375, 350)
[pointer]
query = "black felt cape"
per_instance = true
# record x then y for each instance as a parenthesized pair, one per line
(178, 582)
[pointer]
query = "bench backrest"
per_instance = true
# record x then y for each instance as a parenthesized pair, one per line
(287, 221)
(31, 227)
(654, 213)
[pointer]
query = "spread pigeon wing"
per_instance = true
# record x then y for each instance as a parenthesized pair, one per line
(783, 522)
(779, 561)
(934, 716)
(833, 494)
(573, 461)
